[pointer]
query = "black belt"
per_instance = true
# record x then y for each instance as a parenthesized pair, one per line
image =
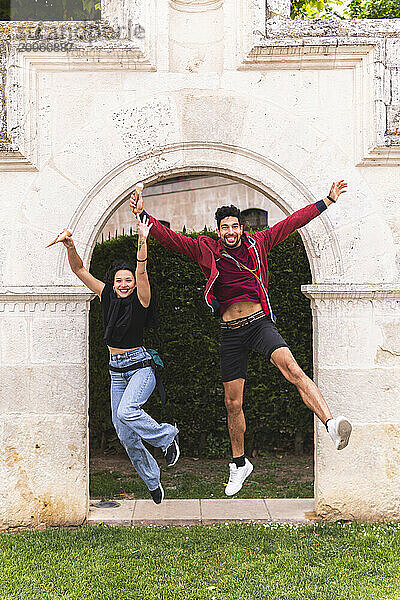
(140, 365)
(243, 320)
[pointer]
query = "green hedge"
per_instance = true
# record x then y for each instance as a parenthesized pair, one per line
(188, 341)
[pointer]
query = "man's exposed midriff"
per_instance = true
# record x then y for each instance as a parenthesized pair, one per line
(241, 309)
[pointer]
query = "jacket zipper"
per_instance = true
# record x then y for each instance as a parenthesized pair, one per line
(253, 246)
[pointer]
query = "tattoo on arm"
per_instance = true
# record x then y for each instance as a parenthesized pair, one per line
(141, 244)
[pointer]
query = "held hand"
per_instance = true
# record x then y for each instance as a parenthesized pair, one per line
(143, 227)
(337, 188)
(68, 242)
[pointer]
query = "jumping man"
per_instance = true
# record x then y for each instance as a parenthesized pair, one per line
(236, 270)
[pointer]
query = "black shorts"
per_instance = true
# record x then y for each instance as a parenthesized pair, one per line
(260, 335)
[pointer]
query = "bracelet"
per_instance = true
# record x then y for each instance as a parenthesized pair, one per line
(331, 199)
(138, 260)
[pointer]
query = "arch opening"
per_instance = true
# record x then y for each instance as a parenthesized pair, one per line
(204, 193)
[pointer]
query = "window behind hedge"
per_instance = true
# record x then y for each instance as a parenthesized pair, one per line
(255, 218)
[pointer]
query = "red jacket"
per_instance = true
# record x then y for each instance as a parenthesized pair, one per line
(206, 251)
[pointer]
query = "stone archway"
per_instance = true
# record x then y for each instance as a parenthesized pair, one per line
(252, 169)
(328, 292)
(353, 300)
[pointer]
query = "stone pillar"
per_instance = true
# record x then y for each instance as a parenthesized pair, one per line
(196, 33)
(43, 406)
(357, 368)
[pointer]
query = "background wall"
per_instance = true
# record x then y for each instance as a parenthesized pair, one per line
(283, 107)
(191, 202)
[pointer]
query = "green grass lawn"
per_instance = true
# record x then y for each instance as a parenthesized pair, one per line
(227, 562)
(274, 476)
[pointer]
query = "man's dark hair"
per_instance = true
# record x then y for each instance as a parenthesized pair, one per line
(119, 265)
(228, 211)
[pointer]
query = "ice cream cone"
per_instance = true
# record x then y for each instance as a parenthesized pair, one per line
(61, 237)
(138, 190)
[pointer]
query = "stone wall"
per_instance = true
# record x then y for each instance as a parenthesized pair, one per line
(285, 108)
(43, 409)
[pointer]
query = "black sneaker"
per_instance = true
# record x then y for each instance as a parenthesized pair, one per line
(157, 494)
(172, 453)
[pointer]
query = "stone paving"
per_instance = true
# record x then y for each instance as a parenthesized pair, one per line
(204, 512)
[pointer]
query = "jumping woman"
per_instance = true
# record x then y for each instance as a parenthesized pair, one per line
(125, 300)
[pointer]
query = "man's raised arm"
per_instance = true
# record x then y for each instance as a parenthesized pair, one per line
(168, 238)
(280, 231)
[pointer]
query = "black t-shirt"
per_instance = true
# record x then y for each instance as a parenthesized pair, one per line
(131, 335)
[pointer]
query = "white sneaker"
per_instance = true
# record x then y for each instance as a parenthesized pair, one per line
(237, 476)
(339, 429)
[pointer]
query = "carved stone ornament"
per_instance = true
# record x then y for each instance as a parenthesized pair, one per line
(195, 5)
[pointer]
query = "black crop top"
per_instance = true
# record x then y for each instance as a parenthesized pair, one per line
(123, 319)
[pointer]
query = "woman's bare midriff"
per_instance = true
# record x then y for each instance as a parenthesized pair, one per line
(120, 350)
(241, 309)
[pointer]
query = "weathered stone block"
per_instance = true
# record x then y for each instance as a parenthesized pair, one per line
(395, 86)
(362, 481)
(340, 338)
(279, 8)
(362, 240)
(393, 119)
(40, 390)
(392, 51)
(147, 125)
(45, 462)
(14, 348)
(388, 351)
(230, 122)
(363, 395)
(59, 341)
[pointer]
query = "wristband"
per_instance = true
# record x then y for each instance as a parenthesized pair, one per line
(138, 260)
(331, 199)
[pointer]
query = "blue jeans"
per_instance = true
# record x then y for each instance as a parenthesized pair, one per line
(129, 391)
